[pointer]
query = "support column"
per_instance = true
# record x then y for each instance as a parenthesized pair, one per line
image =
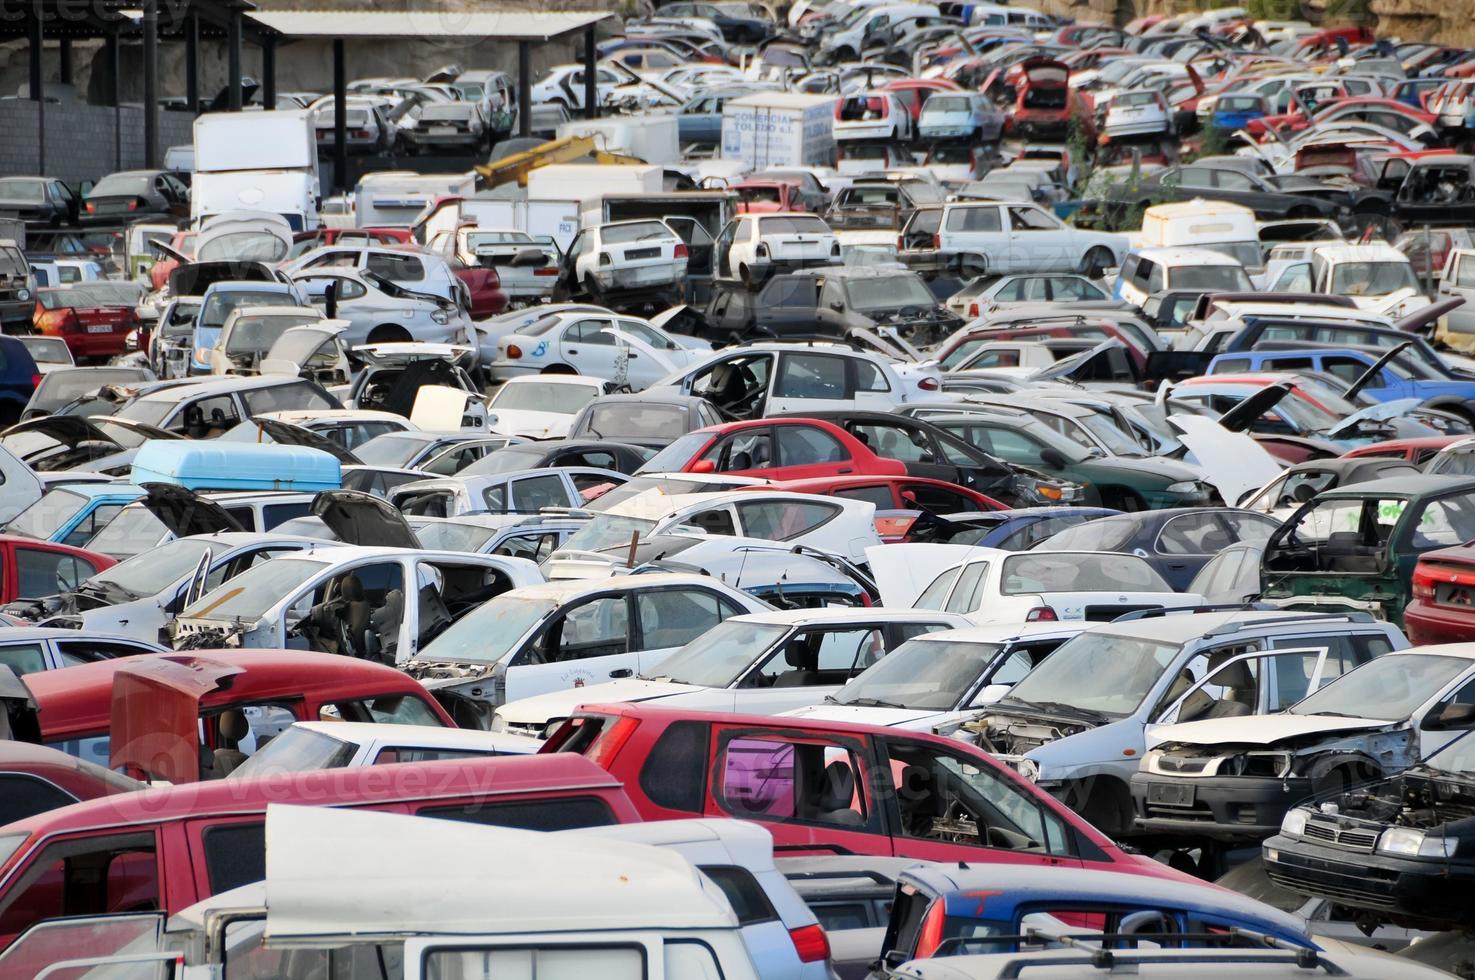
(233, 59)
(591, 89)
(192, 62)
(115, 71)
(65, 68)
(269, 73)
(524, 90)
(150, 84)
(340, 118)
(37, 87)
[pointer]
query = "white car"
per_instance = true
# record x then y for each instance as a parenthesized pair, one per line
(250, 331)
(570, 634)
(873, 115)
(420, 272)
(935, 677)
(307, 746)
(564, 85)
(773, 379)
(519, 492)
(380, 312)
(1138, 113)
(835, 525)
(999, 237)
(993, 586)
(541, 406)
(753, 245)
(625, 259)
(612, 347)
(381, 603)
(762, 663)
(983, 294)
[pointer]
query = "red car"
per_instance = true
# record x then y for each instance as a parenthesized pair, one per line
(35, 779)
(775, 449)
(33, 569)
(907, 494)
(768, 196)
(1442, 609)
(94, 325)
(168, 848)
(1297, 119)
(485, 287)
(913, 92)
(177, 716)
(833, 787)
(1416, 451)
(1044, 102)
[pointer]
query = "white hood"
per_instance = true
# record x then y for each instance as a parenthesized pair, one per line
(861, 715)
(560, 704)
(1232, 461)
(1259, 730)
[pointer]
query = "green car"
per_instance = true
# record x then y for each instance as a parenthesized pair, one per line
(1118, 482)
(1356, 547)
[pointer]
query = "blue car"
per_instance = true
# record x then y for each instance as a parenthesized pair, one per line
(224, 297)
(1011, 530)
(1397, 377)
(1235, 110)
(952, 909)
(73, 513)
(1411, 91)
(700, 119)
(19, 377)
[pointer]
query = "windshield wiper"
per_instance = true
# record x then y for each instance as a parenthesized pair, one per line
(873, 703)
(1068, 709)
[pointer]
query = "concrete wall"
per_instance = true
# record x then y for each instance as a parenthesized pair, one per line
(82, 141)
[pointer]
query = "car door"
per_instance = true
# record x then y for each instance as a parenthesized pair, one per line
(806, 451)
(749, 451)
(1038, 242)
(586, 642)
(810, 664)
(586, 346)
(810, 381)
(669, 618)
(894, 440)
(531, 494)
(1459, 280)
(39, 573)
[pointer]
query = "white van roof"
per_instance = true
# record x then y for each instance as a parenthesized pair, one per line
(1186, 256)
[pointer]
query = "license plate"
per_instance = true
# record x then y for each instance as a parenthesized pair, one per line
(1448, 594)
(99, 328)
(442, 130)
(1170, 794)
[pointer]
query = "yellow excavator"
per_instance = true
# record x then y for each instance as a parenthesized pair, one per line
(517, 166)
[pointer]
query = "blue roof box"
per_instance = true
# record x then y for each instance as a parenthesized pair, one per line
(213, 465)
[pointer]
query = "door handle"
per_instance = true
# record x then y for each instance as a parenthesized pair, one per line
(622, 672)
(844, 469)
(572, 351)
(633, 355)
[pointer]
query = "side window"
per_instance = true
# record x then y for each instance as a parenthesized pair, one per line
(282, 398)
(748, 449)
(759, 777)
(1031, 219)
(893, 442)
(1193, 534)
(235, 854)
(965, 598)
(396, 268)
(784, 520)
(674, 775)
(805, 445)
(46, 573)
(1445, 522)
(880, 496)
(23, 658)
(718, 520)
(974, 219)
(937, 591)
(533, 547)
(565, 813)
(95, 521)
(86, 876)
(275, 514)
(1295, 279)
(589, 332)
(208, 417)
(869, 377)
(72, 652)
(598, 628)
(810, 376)
(23, 795)
(591, 485)
(675, 617)
(531, 495)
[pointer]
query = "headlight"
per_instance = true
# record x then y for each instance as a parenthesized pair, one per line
(1414, 843)
(1029, 769)
(22, 294)
(1293, 824)
(498, 723)
(1187, 486)
(440, 316)
(202, 355)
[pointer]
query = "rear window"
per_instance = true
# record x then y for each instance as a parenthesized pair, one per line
(792, 224)
(743, 893)
(567, 813)
(639, 231)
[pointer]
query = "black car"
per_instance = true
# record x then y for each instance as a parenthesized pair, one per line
(934, 454)
(1176, 542)
(735, 28)
(598, 453)
(41, 202)
(1400, 849)
(1438, 190)
(652, 421)
(136, 195)
(1234, 185)
(1008, 530)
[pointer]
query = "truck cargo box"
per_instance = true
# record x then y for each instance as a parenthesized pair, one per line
(651, 137)
(582, 181)
(203, 465)
(779, 129)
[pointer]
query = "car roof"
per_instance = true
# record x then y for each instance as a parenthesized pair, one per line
(1406, 486)
(1181, 627)
(20, 634)
(831, 614)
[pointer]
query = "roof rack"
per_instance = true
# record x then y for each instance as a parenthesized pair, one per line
(867, 873)
(1189, 610)
(1094, 951)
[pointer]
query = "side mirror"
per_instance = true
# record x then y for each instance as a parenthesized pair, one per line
(1051, 456)
(703, 466)
(991, 693)
(1452, 715)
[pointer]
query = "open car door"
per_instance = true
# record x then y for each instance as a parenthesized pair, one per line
(363, 519)
(18, 718)
(155, 717)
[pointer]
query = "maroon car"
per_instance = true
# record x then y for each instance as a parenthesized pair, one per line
(35, 779)
(94, 322)
(1442, 609)
(484, 286)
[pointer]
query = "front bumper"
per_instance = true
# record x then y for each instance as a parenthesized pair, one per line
(1428, 623)
(17, 313)
(506, 370)
(1224, 808)
(1428, 891)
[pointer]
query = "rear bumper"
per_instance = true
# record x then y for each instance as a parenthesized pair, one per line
(96, 344)
(1429, 623)
(1224, 808)
(15, 312)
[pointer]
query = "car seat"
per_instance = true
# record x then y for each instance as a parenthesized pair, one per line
(802, 660)
(725, 387)
(918, 803)
(836, 791)
(382, 639)
(1239, 692)
(356, 612)
(232, 726)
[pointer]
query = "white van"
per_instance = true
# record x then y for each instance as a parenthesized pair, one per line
(1146, 271)
(1218, 225)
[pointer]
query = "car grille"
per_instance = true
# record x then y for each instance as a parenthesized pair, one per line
(1357, 840)
(1359, 887)
(642, 253)
(1186, 764)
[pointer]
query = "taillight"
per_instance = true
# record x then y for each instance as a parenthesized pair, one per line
(937, 242)
(900, 243)
(514, 351)
(1041, 614)
(135, 204)
(811, 943)
(608, 744)
(1423, 584)
(973, 310)
(682, 252)
(35, 380)
(838, 106)
(929, 384)
(91, 208)
(546, 271)
(929, 936)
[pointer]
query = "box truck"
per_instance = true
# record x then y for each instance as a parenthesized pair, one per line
(652, 138)
(779, 129)
(256, 161)
(395, 198)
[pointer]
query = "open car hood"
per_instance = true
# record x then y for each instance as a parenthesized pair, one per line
(1240, 417)
(185, 512)
(1260, 730)
(155, 714)
(287, 434)
(18, 720)
(1381, 412)
(1232, 461)
(1066, 368)
(1425, 316)
(196, 277)
(363, 519)
(69, 430)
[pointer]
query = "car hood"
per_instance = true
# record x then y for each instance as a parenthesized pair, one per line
(185, 512)
(1259, 730)
(862, 715)
(523, 422)
(1381, 412)
(560, 704)
(363, 519)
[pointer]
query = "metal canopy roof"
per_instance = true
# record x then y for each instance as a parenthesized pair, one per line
(439, 24)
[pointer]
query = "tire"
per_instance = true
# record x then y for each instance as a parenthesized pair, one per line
(388, 333)
(592, 290)
(1096, 261)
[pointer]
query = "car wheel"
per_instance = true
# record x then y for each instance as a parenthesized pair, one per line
(595, 294)
(1096, 262)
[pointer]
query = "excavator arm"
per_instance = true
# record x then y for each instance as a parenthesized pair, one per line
(517, 166)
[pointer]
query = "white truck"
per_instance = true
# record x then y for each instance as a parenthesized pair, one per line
(779, 129)
(651, 137)
(395, 198)
(257, 161)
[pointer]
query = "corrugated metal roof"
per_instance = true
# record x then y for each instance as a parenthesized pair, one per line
(441, 23)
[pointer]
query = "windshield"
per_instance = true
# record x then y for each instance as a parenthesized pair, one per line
(607, 531)
(1078, 572)
(220, 304)
(544, 396)
(149, 574)
(678, 454)
(244, 246)
(1107, 534)
(1247, 254)
(889, 292)
(922, 674)
(1390, 688)
(1372, 278)
(47, 515)
(1115, 440)
(134, 531)
(248, 596)
(1216, 278)
(508, 459)
(391, 449)
(297, 749)
(720, 656)
(489, 632)
(1098, 672)
(634, 420)
(60, 387)
(256, 334)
